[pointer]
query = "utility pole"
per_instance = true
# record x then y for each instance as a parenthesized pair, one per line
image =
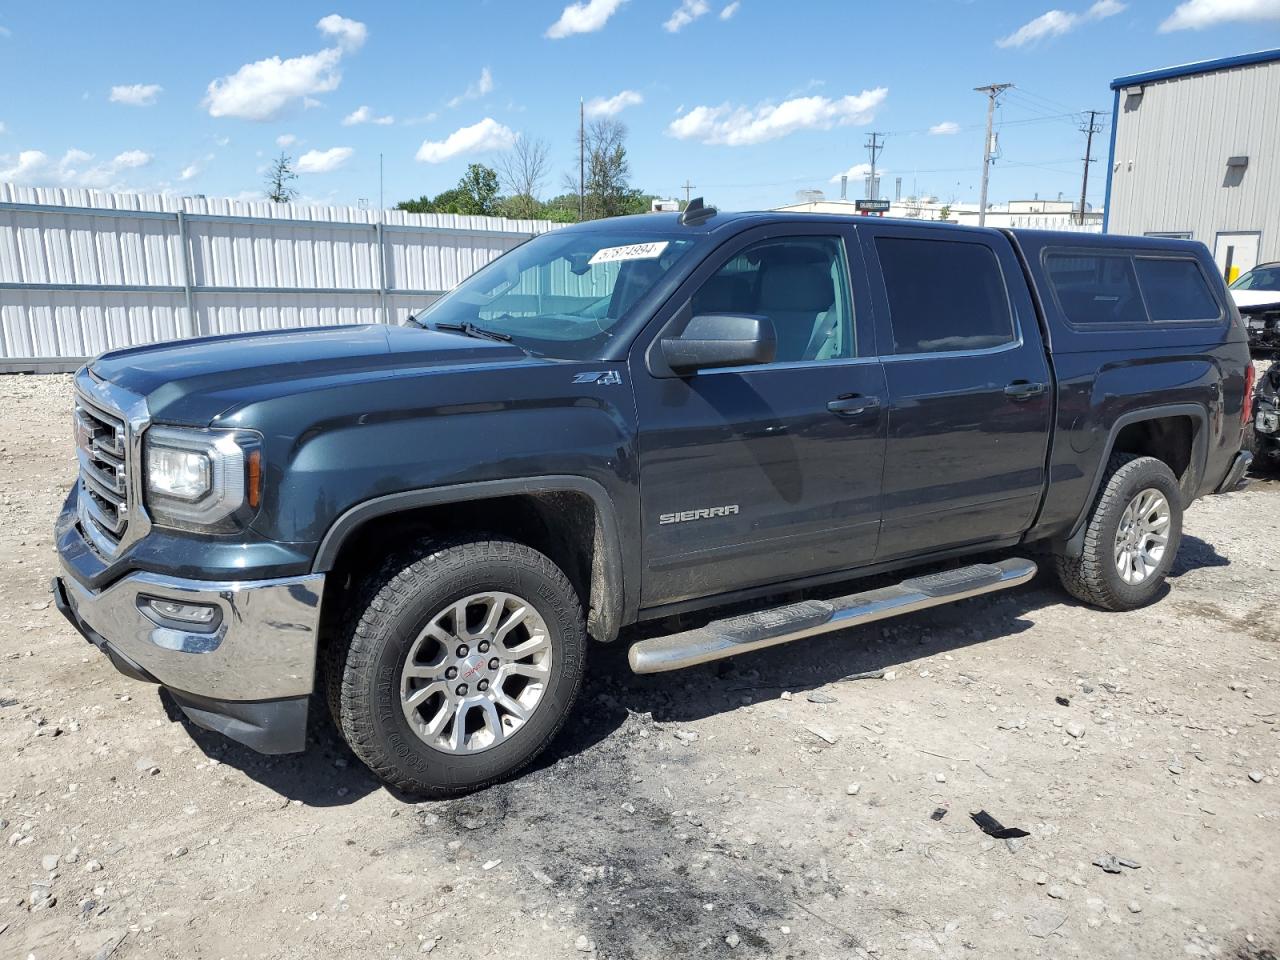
(688, 191)
(873, 149)
(993, 91)
(582, 159)
(1089, 129)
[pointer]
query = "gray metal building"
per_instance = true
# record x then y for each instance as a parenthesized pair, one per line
(1195, 153)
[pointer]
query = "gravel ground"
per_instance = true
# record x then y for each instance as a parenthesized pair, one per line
(759, 807)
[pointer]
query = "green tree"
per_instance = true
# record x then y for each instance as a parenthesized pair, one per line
(561, 209)
(421, 205)
(608, 191)
(479, 187)
(279, 177)
(476, 194)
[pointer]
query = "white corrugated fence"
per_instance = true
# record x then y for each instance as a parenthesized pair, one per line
(82, 271)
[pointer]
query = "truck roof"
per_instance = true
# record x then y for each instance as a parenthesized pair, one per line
(741, 220)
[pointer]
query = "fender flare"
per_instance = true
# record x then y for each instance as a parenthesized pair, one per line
(607, 602)
(1074, 543)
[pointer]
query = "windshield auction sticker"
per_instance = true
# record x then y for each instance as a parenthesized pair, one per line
(632, 251)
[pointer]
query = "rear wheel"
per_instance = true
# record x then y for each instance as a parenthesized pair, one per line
(462, 666)
(1131, 536)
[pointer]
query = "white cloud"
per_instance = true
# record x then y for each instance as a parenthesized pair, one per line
(350, 34)
(729, 10)
(685, 14)
(131, 159)
(475, 91)
(944, 129)
(1198, 14)
(1054, 23)
(324, 161)
(136, 94)
(365, 115)
(263, 90)
(610, 106)
(2, 126)
(480, 137)
(854, 173)
(587, 16)
(741, 126)
(5, 32)
(191, 171)
(75, 169)
(286, 140)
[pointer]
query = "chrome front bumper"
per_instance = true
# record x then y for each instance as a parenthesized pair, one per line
(263, 646)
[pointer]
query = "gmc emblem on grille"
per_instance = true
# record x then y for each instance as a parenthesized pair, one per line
(705, 513)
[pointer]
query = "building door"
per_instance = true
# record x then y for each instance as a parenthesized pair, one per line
(1236, 254)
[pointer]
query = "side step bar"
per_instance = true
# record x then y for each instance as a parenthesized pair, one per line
(767, 628)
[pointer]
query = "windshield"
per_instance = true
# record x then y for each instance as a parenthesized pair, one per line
(1260, 278)
(565, 293)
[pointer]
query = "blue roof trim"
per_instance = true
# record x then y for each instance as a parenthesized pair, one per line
(1191, 69)
(1111, 161)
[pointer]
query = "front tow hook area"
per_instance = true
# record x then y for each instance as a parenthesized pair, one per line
(62, 600)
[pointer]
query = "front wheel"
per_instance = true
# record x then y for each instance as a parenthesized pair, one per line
(462, 667)
(1131, 536)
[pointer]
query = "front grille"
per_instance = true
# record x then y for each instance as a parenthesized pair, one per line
(102, 449)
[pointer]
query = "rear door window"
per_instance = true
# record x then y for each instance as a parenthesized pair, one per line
(944, 296)
(1093, 288)
(1175, 289)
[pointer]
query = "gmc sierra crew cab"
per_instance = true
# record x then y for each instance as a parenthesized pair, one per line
(428, 523)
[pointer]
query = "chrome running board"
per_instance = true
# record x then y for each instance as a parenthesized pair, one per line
(767, 628)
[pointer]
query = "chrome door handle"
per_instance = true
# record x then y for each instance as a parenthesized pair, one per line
(853, 405)
(1024, 390)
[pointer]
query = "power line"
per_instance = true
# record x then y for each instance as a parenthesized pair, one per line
(1055, 104)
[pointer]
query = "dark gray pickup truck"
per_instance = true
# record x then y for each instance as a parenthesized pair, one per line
(624, 420)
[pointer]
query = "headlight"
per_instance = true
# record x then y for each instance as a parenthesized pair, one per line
(200, 478)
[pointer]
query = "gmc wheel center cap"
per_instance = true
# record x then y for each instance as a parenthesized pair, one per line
(473, 668)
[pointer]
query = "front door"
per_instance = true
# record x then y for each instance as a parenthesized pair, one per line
(968, 383)
(1235, 254)
(758, 475)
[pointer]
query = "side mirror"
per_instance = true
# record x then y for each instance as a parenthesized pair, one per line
(721, 340)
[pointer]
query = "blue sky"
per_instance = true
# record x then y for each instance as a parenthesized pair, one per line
(750, 100)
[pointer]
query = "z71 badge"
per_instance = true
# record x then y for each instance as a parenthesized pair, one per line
(606, 378)
(705, 513)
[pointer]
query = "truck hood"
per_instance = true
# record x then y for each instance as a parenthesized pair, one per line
(1256, 298)
(193, 381)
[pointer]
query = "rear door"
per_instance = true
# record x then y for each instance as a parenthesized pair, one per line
(968, 385)
(762, 474)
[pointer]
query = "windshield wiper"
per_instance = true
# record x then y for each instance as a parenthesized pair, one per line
(413, 321)
(469, 329)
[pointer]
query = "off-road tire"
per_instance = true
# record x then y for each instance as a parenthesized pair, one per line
(1092, 577)
(363, 664)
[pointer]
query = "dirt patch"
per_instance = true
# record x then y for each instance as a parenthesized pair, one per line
(800, 806)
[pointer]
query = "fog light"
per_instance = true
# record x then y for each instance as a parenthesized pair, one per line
(1268, 422)
(174, 611)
